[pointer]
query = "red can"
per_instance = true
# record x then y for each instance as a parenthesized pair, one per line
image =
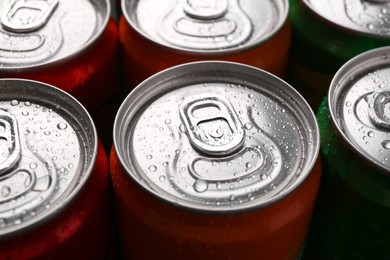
(156, 35)
(214, 160)
(54, 181)
(71, 44)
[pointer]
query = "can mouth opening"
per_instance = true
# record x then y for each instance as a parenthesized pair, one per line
(55, 178)
(186, 48)
(101, 7)
(211, 74)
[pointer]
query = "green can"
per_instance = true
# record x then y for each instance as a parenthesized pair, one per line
(326, 34)
(352, 215)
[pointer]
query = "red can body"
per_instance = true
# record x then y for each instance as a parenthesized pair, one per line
(55, 200)
(143, 57)
(151, 223)
(82, 230)
(91, 76)
(199, 173)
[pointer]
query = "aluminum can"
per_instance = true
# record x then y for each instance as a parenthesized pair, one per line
(326, 34)
(214, 160)
(70, 44)
(352, 214)
(156, 35)
(54, 180)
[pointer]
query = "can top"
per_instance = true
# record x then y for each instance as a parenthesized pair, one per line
(48, 146)
(216, 137)
(39, 32)
(206, 26)
(363, 16)
(359, 97)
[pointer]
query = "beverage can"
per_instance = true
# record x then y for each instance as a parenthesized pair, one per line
(54, 182)
(326, 34)
(156, 35)
(70, 44)
(214, 159)
(351, 217)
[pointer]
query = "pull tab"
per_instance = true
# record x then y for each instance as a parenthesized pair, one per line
(377, 103)
(205, 9)
(205, 25)
(22, 16)
(212, 124)
(10, 150)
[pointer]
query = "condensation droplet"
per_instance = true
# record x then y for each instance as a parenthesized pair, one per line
(248, 126)
(248, 165)
(370, 133)
(348, 104)
(162, 178)
(167, 121)
(14, 102)
(200, 186)
(33, 165)
(182, 128)
(62, 126)
(149, 157)
(386, 144)
(5, 191)
(63, 171)
(152, 168)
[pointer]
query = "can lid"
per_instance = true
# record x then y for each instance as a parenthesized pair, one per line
(206, 26)
(38, 32)
(216, 136)
(48, 146)
(359, 99)
(363, 16)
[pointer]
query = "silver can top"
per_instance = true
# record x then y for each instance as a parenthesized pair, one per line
(216, 136)
(206, 26)
(38, 32)
(48, 146)
(365, 16)
(359, 98)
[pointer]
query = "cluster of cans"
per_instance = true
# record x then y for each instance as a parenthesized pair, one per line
(186, 129)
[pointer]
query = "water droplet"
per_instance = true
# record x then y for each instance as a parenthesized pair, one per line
(182, 128)
(62, 126)
(248, 126)
(232, 197)
(348, 104)
(200, 186)
(25, 113)
(152, 168)
(14, 102)
(219, 185)
(17, 221)
(250, 95)
(162, 178)
(370, 133)
(33, 165)
(63, 171)
(165, 164)
(5, 191)
(248, 165)
(386, 144)
(149, 157)
(167, 121)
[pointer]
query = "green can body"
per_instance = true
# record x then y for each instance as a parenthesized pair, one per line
(352, 215)
(320, 47)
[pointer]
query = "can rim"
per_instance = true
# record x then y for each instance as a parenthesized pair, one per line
(74, 55)
(206, 53)
(337, 25)
(55, 210)
(126, 106)
(357, 65)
